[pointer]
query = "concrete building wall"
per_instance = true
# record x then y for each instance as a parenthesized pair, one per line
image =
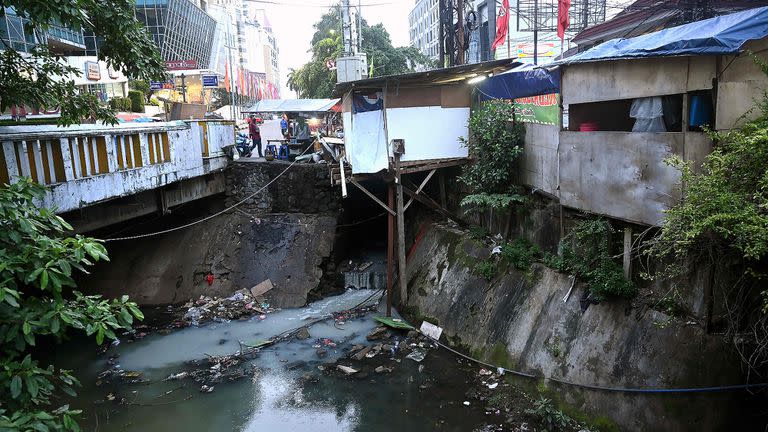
(424, 28)
(622, 174)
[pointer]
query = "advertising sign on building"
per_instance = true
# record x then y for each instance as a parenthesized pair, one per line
(542, 109)
(92, 70)
(210, 81)
(181, 65)
(547, 52)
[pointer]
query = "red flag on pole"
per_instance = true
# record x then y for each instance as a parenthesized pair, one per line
(502, 24)
(563, 21)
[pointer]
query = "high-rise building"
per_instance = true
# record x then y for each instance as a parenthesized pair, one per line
(73, 46)
(181, 29)
(261, 52)
(424, 28)
(60, 40)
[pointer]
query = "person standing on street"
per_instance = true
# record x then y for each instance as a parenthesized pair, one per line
(255, 133)
(284, 125)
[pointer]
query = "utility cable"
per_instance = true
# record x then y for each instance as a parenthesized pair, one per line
(602, 388)
(207, 218)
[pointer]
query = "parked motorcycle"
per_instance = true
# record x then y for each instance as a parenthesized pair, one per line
(244, 145)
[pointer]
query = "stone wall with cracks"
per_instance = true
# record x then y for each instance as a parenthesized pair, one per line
(285, 234)
(520, 320)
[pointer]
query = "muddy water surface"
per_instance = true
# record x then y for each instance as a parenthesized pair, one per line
(284, 390)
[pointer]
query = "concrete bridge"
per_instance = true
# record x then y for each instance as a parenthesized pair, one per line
(100, 175)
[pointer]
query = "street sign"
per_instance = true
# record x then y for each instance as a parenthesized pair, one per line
(159, 85)
(210, 81)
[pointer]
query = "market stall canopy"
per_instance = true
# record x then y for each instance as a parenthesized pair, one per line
(721, 35)
(520, 82)
(294, 105)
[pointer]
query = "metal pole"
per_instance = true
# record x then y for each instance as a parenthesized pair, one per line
(231, 82)
(183, 88)
(441, 29)
(360, 29)
(509, 50)
(460, 33)
(400, 234)
(390, 247)
(535, 32)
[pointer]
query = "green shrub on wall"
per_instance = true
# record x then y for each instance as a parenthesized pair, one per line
(586, 252)
(120, 104)
(137, 100)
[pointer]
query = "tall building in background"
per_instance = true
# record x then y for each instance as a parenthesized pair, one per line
(73, 46)
(261, 53)
(424, 28)
(245, 48)
(181, 29)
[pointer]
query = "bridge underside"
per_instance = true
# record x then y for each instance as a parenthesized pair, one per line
(158, 201)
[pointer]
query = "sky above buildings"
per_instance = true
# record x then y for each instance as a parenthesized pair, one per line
(292, 22)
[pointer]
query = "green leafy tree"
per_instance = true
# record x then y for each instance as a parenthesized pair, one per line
(315, 80)
(142, 86)
(38, 304)
(42, 79)
(495, 143)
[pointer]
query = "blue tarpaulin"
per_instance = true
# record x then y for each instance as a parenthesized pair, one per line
(725, 34)
(520, 82)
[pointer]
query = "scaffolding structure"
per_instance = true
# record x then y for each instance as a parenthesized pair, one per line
(541, 15)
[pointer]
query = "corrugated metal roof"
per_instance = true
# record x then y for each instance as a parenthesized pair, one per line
(430, 77)
(725, 34)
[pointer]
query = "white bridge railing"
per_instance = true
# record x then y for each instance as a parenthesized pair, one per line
(85, 164)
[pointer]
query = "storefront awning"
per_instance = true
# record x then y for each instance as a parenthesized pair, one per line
(520, 82)
(293, 105)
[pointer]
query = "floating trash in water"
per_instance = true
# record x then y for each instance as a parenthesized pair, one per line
(493, 386)
(417, 355)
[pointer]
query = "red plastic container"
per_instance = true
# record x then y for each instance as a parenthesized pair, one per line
(588, 127)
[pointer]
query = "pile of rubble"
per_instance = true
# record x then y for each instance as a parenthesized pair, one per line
(243, 303)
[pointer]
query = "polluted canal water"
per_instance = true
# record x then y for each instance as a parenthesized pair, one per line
(302, 383)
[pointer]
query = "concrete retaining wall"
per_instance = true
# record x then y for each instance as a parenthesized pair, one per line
(282, 234)
(521, 321)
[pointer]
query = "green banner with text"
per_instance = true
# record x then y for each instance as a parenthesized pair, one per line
(543, 109)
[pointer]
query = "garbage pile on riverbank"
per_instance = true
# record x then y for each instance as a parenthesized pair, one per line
(239, 305)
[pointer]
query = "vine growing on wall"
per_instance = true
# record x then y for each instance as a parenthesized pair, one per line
(586, 253)
(495, 143)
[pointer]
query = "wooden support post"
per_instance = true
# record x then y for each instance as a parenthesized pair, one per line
(370, 195)
(443, 194)
(400, 234)
(429, 202)
(627, 252)
(421, 186)
(390, 247)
